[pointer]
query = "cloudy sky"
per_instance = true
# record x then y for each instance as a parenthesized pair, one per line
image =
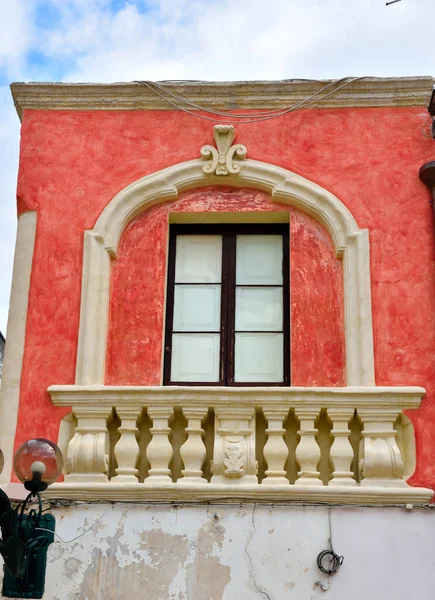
(124, 40)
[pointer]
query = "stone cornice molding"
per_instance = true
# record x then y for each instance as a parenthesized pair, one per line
(245, 95)
(350, 242)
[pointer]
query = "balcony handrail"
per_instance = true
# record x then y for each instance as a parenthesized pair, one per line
(394, 397)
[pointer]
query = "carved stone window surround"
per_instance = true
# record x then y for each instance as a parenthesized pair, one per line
(101, 244)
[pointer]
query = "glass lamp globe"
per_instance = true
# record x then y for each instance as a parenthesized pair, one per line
(38, 461)
(2, 461)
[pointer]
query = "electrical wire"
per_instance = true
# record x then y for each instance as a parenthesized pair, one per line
(261, 116)
(64, 503)
(424, 127)
(81, 534)
(230, 501)
(276, 112)
(229, 115)
(250, 117)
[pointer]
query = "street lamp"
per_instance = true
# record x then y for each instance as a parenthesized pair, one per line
(25, 536)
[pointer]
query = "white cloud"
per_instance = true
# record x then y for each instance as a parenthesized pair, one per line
(15, 33)
(87, 40)
(249, 39)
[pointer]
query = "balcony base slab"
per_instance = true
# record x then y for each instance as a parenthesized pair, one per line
(258, 493)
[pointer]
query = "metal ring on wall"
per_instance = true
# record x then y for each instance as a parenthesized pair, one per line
(335, 562)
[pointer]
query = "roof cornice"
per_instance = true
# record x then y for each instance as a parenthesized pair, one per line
(233, 95)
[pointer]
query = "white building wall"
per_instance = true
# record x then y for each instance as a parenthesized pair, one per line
(239, 552)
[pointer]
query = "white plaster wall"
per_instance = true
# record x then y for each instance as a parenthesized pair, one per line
(239, 553)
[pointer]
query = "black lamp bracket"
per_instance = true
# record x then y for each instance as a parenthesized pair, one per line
(431, 111)
(26, 534)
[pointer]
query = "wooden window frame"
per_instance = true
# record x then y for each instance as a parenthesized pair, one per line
(228, 299)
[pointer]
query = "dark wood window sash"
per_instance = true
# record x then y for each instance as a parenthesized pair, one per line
(228, 300)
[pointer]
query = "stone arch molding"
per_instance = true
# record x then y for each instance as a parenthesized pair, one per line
(101, 244)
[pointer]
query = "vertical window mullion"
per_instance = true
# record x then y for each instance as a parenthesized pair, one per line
(170, 287)
(224, 312)
(286, 306)
(231, 310)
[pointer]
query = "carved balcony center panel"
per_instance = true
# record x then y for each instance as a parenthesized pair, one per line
(317, 444)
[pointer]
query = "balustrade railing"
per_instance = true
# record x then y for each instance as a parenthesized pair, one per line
(320, 444)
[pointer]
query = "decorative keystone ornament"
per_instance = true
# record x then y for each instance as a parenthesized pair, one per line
(25, 537)
(224, 159)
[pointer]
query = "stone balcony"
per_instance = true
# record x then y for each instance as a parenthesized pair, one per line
(262, 444)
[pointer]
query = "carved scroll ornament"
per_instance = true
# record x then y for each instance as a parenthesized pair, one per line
(224, 159)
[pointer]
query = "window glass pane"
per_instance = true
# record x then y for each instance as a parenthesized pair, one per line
(198, 259)
(259, 309)
(259, 357)
(259, 259)
(197, 308)
(195, 357)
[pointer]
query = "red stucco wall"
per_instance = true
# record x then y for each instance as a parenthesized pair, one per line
(73, 163)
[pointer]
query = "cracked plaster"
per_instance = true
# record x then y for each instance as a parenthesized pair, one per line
(233, 552)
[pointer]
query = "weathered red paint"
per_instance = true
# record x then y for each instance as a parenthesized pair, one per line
(317, 331)
(73, 163)
(134, 354)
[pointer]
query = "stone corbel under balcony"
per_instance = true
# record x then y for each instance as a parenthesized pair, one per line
(221, 464)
